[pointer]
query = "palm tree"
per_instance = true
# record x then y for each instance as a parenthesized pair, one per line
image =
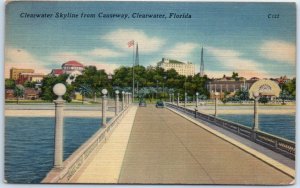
(83, 89)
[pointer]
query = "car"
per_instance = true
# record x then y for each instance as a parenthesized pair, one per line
(142, 103)
(160, 104)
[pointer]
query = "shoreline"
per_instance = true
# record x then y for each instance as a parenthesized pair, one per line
(242, 112)
(51, 113)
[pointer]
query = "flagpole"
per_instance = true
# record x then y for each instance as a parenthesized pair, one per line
(133, 73)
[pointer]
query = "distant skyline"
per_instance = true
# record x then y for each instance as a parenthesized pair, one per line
(236, 37)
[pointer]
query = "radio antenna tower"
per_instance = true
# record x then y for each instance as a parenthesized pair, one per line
(137, 55)
(202, 64)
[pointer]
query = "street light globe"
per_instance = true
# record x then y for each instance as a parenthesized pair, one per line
(256, 94)
(104, 91)
(123, 92)
(197, 93)
(117, 92)
(185, 93)
(217, 93)
(59, 89)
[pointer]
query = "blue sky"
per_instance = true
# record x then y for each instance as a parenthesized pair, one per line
(236, 36)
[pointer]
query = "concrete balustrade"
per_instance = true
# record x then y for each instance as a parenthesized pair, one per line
(275, 143)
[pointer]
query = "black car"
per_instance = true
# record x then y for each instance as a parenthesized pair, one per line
(160, 104)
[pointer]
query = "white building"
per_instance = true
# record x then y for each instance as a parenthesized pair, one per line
(186, 69)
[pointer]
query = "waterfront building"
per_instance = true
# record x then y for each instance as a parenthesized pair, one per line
(229, 85)
(186, 69)
(15, 73)
(266, 88)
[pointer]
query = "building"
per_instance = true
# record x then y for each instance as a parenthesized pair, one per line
(31, 77)
(281, 80)
(186, 69)
(68, 68)
(72, 66)
(9, 94)
(56, 72)
(15, 73)
(31, 94)
(266, 88)
(227, 85)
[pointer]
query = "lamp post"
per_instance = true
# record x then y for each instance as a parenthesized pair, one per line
(59, 90)
(197, 99)
(177, 99)
(156, 88)
(185, 99)
(117, 102)
(164, 86)
(129, 94)
(123, 100)
(172, 98)
(126, 98)
(104, 104)
(216, 102)
(255, 123)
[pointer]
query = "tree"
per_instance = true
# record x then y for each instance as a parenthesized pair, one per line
(94, 80)
(235, 76)
(290, 87)
(84, 90)
(283, 95)
(29, 84)
(10, 84)
(263, 100)
(47, 87)
(18, 92)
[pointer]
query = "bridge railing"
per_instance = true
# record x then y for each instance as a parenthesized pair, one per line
(275, 143)
(77, 159)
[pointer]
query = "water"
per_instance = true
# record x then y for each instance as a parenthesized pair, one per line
(279, 125)
(29, 144)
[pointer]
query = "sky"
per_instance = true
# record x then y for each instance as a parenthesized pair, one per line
(236, 37)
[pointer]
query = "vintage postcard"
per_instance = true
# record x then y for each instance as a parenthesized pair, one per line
(150, 92)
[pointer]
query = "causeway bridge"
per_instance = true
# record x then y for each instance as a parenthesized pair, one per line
(176, 145)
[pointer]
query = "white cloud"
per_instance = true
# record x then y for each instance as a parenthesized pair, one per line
(20, 58)
(104, 53)
(108, 67)
(232, 60)
(181, 51)
(85, 59)
(277, 50)
(121, 37)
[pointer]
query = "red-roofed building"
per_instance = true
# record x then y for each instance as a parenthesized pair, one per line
(56, 72)
(68, 68)
(71, 66)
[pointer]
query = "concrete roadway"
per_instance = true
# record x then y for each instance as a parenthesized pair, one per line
(164, 148)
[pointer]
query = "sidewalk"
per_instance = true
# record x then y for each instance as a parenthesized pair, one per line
(105, 165)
